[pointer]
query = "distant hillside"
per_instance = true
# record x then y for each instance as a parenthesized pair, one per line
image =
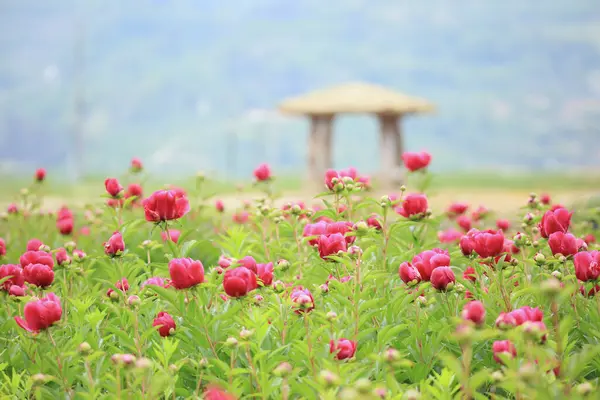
(517, 83)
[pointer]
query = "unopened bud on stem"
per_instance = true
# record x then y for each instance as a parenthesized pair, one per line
(283, 369)
(329, 379)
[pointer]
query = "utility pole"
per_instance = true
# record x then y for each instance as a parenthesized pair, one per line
(231, 150)
(77, 132)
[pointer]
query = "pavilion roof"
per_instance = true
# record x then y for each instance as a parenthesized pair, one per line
(355, 97)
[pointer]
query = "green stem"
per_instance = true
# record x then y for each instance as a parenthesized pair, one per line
(356, 299)
(264, 239)
(198, 385)
(67, 388)
(467, 356)
(349, 202)
(557, 338)
(285, 389)
(309, 344)
(231, 365)
(68, 291)
(136, 329)
(90, 376)
(386, 238)
(253, 369)
(118, 379)
(418, 321)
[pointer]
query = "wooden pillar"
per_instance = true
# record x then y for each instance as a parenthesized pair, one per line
(327, 144)
(389, 148)
(319, 147)
(399, 143)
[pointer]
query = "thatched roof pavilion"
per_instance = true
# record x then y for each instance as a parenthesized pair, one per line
(321, 106)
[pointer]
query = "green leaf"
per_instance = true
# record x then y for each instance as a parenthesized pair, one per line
(187, 247)
(451, 362)
(168, 294)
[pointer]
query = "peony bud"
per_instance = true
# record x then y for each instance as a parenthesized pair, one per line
(412, 394)
(128, 359)
(134, 301)
(331, 316)
(257, 299)
(348, 393)
(464, 333)
(391, 355)
(278, 286)
(535, 330)
(79, 255)
(347, 180)
(497, 376)
(203, 363)
(557, 274)
(296, 210)
(361, 227)
(283, 369)
(70, 246)
(520, 239)
(363, 385)
(231, 342)
(355, 251)
(116, 358)
(422, 301)
(84, 348)
(143, 363)
(245, 333)
(584, 388)
(527, 371)
(385, 201)
(40, 379)
(551, 287)
(442, 278)
(329, 379)
(264, 209)
(283, 264)
(539, 259)
(473, 311)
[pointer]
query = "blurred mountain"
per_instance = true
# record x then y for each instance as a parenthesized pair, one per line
(184, 84)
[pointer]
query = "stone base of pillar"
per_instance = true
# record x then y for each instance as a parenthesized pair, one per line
(319, 149)
(391, 174)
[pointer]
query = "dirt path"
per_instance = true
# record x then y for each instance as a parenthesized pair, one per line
(501, 201)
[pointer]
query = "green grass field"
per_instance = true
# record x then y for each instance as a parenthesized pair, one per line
(501, 192)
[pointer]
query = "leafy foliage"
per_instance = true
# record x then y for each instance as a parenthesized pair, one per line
(411, 341)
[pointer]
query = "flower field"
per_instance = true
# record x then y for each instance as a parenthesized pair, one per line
(168, 294)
